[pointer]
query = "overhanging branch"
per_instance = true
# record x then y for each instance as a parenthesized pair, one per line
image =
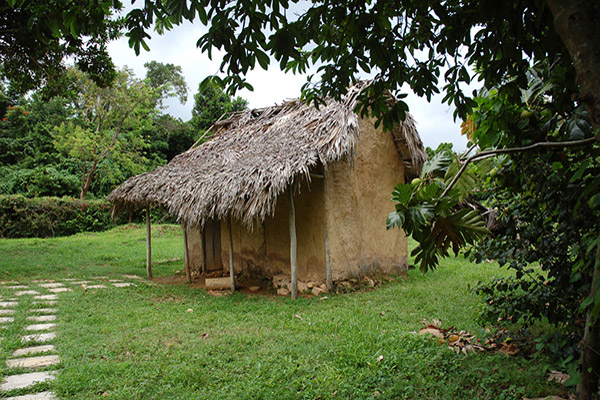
(490, 153)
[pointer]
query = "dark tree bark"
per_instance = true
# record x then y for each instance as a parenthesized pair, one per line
(578, 25)
(590, 354)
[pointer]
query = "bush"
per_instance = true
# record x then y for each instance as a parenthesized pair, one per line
(39, 181)
(22, 217)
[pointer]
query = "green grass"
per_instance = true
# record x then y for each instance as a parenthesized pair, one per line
(145, 343)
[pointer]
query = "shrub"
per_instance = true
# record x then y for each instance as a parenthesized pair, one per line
(39, 181)
(22, 217)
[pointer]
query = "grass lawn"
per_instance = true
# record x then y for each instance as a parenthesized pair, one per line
(175, 342)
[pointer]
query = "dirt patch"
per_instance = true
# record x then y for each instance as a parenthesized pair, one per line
(247, 286)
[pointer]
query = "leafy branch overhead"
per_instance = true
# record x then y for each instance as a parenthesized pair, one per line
(438, 222)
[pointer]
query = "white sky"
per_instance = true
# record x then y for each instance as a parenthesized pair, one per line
(434, 120)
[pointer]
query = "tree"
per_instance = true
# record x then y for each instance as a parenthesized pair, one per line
(443, 147)
(35, 37)
(168, 80)
(107, 124)
(210, 103)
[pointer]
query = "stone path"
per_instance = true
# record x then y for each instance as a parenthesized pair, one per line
(37, 353)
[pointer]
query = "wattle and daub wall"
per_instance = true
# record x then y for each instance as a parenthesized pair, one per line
(353, 201)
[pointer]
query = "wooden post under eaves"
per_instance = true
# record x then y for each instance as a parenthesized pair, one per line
(293, 246)
(203, 236)
(186, 254)
(329, 278)
(231, 270)
(148, 244)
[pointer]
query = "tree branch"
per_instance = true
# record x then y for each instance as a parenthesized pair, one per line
(491, 153)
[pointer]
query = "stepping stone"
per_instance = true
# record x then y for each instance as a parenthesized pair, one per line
(46, 302)
(25, 351)
(8, 303)
(45, 310)
(36, 396)
(24, 292)
(46, 297)
(25, 380)
(39, 337)
(6, 311)
(115, 280)
(42, 318)
(40, 327)
(60, 290)
(123, 284)
(80, 282)
(51, 285)
(86, 287)
(5, 320)
(18, 287)
(33, 362)
(132, 277)
(99, 277)
(70, 279)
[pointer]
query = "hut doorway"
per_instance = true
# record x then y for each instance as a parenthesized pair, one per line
(212, 245)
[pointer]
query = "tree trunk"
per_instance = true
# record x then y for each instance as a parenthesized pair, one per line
(590, 353)
(88, 181)
(578, 25)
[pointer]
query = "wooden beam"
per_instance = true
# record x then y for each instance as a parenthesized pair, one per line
(293, 245)
(231, 270)
(329, 278)
(186, 255)
(148, 244)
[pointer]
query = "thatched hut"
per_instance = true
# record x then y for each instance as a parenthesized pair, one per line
(289, 189)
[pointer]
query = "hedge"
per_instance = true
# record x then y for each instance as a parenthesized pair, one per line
(22, 217)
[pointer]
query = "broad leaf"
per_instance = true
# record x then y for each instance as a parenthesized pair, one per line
(436, 166)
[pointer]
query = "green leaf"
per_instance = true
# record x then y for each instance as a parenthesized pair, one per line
(402, 193)
(436, 166)
(263, 59)
(594, 201)
(465, 185)
(579, 173)
(395, 220)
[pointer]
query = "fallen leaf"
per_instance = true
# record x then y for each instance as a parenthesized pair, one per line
(453, 339)
(509, 349)
(432, 330)
(298, 316)
(558, 376)
(189, 310)
(204, 335)
(379, 358)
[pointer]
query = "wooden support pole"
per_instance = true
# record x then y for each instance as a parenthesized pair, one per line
(148, 244)
(203, 237)
(231, 270)
(329, 278)
(293, 246)
(186, 254)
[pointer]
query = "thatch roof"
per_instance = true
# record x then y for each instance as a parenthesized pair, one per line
(252, 159)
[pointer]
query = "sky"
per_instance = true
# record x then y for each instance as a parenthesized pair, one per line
(434, 120)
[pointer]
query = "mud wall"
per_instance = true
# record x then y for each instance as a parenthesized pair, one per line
(194, 238)
(265, 250)
(358, 203)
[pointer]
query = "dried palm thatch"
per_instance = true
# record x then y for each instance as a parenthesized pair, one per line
(252, 158)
